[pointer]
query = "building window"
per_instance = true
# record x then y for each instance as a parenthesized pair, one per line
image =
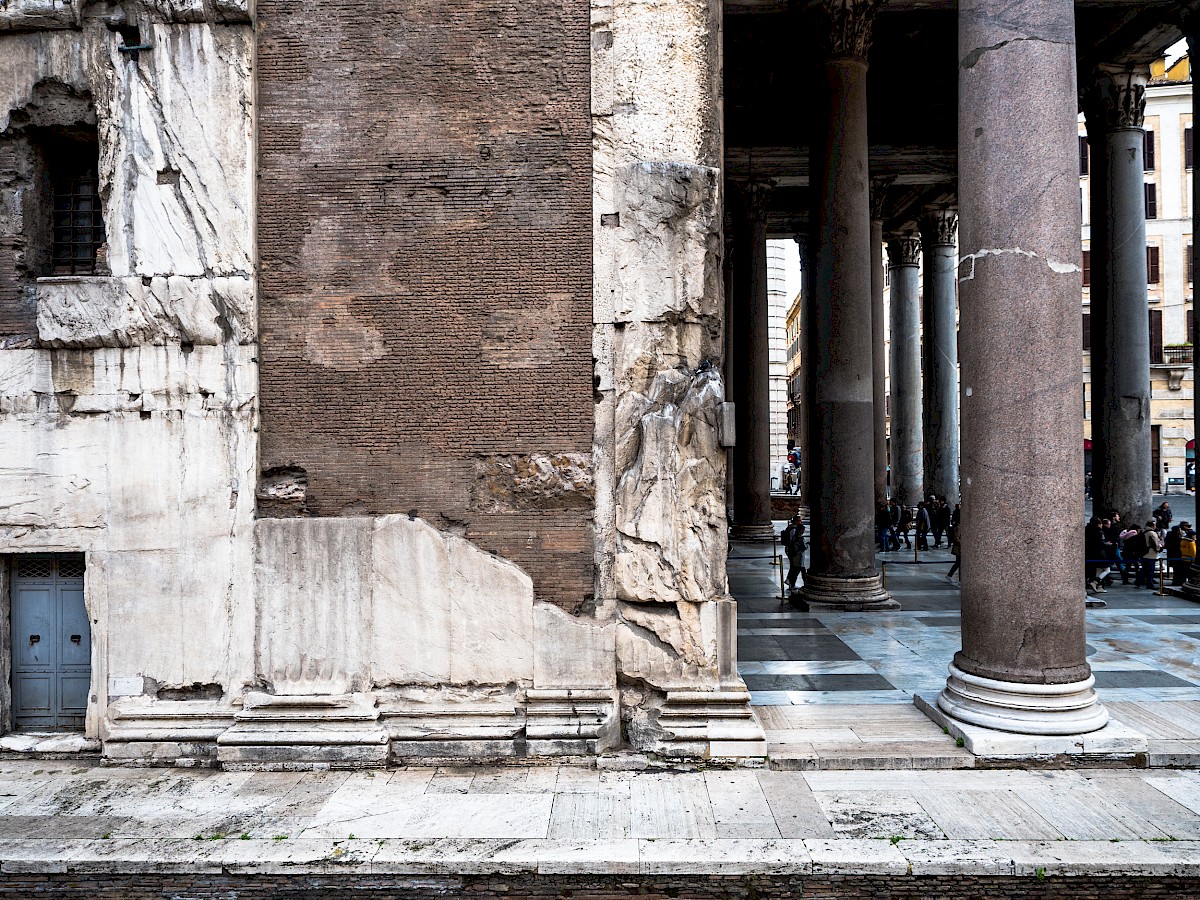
(1156, 336)
(1087, 331)
(1152, 273)
(1087, 268)
(1190, 328)
(1189, 264)
(78, 220)
(1187, 147)
(1083, 155)
(1151, 201)
(1148, 148)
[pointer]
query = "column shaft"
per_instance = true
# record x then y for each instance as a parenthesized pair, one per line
(842, 573)
(907, 476)
(878, 362)
(1023, 663)
(940, 355)
(1121, 407)
(752, 477)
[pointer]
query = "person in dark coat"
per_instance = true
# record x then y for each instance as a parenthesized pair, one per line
(1093, 554)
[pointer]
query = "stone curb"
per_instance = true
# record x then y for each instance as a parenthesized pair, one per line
(315, 856)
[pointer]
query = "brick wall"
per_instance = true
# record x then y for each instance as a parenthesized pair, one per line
(425, 264)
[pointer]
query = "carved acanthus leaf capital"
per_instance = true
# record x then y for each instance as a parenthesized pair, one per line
(939, 227)
(756, 195)
(847, 27)
(1117, 96)
(804, 244)
(904, 250)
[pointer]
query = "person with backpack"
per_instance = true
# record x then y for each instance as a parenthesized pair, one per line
(1093, 555)
(1146, 548)
(794, 546)
(1187, 553)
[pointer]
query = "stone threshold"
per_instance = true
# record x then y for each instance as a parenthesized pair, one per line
(48, 745)
(507, 856)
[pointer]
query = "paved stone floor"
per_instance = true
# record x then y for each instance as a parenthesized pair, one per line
(68, 817)
(836, 689)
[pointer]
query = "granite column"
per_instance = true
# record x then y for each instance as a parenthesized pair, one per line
(904, 257)
(1023, 665)
(751, 339)
(879, 342)
(939, 354)
(807, 317)
(1121, 457)
(842, 573)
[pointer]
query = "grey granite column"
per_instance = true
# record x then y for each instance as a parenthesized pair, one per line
(842, 573)
(1023, 665)
(939, 353)
(1121, 459)
(752, 475)
(807, 316)
(904, 257)
(878, 341)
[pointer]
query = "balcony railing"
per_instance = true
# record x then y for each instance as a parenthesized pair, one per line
(1175, 356)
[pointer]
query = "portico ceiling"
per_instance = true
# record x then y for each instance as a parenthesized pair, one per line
(770, 49)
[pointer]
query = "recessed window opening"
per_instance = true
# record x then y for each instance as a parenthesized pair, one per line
(77, 218)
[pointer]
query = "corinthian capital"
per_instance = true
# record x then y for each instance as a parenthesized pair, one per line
(1117, 96)
(939, 227)
(847, 26)
(904, 250)
(755, 195)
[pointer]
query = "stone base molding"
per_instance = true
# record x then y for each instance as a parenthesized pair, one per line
(710, 725)
(844, 593)
(304, 732)
(753, 533)
(1042, 709)
(571, 722)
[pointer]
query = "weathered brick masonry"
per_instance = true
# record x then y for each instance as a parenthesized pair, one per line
(425, 248)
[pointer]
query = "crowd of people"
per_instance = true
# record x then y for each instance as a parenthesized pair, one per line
(1114, 548)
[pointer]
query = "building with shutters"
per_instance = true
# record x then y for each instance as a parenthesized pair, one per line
(1168, 158)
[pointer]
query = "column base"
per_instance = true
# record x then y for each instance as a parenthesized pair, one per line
(753, 532)
(863, 593)
(1035, 709)
(1115, 741)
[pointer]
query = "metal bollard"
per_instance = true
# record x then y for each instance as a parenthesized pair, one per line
(1162, 577)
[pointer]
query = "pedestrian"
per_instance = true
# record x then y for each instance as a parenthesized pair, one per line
(922, 526)
(794, 546)
(1146, 552)
(1187, 553)
(1172, 545)
(938, 516)
(956, 549)
(1127, 542)
(906, 523)
(1162, 517)
(1093, 554)
(883, 527)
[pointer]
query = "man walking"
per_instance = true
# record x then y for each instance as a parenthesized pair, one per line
(794, 546)
(1147, 555)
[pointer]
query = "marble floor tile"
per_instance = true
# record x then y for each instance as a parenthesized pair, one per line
(878, 814)
(480, 816)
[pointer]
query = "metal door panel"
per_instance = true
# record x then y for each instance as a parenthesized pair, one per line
(51, 643)
(75, 637)
(33, 700)
(33, 614)
(73, 697)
